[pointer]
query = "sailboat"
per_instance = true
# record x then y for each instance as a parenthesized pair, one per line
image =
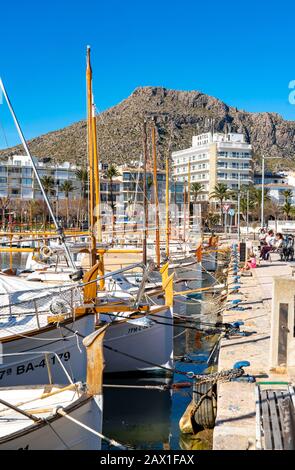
(52, 417)
(63, 321)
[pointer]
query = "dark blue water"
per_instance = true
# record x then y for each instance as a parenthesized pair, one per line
(149, 419)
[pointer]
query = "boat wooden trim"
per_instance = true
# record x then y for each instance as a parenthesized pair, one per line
(46, 328)
(86, 397)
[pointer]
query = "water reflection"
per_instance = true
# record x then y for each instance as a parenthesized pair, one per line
(149, 419)
(138, 417)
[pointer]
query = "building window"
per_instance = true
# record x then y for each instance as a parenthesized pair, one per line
(27, 172)
(27, 181)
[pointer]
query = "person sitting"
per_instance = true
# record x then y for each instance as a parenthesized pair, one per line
(250, 263)
(262, 236)
(273, 244)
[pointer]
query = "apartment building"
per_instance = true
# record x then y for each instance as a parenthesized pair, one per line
(17, 179)
(215, 158)
(132, 185)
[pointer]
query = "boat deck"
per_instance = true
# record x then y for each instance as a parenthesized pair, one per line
(30, 399)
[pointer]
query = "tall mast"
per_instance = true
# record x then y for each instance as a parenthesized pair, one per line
(189, 193)
(158, 256)
(145, 201)
(90, 155)
(184, 208)
(167, 207)
(97, 214)
(59, 229)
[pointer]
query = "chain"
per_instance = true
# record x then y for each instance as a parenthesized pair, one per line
(223, 376)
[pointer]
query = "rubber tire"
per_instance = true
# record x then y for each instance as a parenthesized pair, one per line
(205, 415)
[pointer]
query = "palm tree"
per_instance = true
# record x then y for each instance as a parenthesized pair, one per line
(287, 209)
(111, 173)
(256, 195)
(196, 188)
(212, 220)
(4, 202)
(48, 184)
(288, 194)
(220, 192)
(246, 205)
(82, 176)
(67, 187)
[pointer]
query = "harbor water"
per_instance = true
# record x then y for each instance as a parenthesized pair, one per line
(148, 418)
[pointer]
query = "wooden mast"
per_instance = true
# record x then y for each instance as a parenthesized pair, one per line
(189, 193)
(184, 208)
(90, 157)
(145, 201)
(158, 256)
(167, 207)
(97, 216)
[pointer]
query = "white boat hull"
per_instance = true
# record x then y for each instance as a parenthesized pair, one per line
(188, 275)
(143, 345)
(58, 433)
(209, 260)
(30, 368)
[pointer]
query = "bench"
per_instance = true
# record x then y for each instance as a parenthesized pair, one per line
(275, 416)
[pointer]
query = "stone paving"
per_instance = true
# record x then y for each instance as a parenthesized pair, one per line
(236, 417)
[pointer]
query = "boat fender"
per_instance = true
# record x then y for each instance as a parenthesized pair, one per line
(57, 307)
(46, 252)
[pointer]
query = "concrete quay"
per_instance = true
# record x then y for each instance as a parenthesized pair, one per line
(235, 427)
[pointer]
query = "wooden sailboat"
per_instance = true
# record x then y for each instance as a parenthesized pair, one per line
(52, 417)
(134, 342)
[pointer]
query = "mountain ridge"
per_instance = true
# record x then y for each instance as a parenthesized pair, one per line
(178, 116)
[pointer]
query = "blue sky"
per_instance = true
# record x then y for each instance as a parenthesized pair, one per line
(240, 52)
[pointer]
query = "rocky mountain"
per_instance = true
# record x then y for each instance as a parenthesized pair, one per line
(178, 116)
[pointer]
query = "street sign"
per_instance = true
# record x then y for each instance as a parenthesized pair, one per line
(225, 208)
(231, 212)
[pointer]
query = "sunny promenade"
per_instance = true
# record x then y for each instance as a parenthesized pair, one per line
(236, 416)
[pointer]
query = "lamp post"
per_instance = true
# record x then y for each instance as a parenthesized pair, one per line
(247, 217)
(262, 191)
(239, 207)
(262, 186)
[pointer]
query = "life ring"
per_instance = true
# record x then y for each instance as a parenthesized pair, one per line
(46, 252)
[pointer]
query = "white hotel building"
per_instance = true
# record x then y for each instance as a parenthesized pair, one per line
(215, 158)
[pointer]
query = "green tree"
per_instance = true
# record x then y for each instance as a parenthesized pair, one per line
(82, 176)
(212, 220)
(288, 210)
(288, 194)
(4, 204)
(48, 185)
(256, 195)
(67, 187)
(111, 173)
(196, 188)
(245, 205)
(221, 192)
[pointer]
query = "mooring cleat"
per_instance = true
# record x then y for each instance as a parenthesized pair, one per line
(237, 324)
(244, 378)
(237, 309)
(235, 301)
(241, 364)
